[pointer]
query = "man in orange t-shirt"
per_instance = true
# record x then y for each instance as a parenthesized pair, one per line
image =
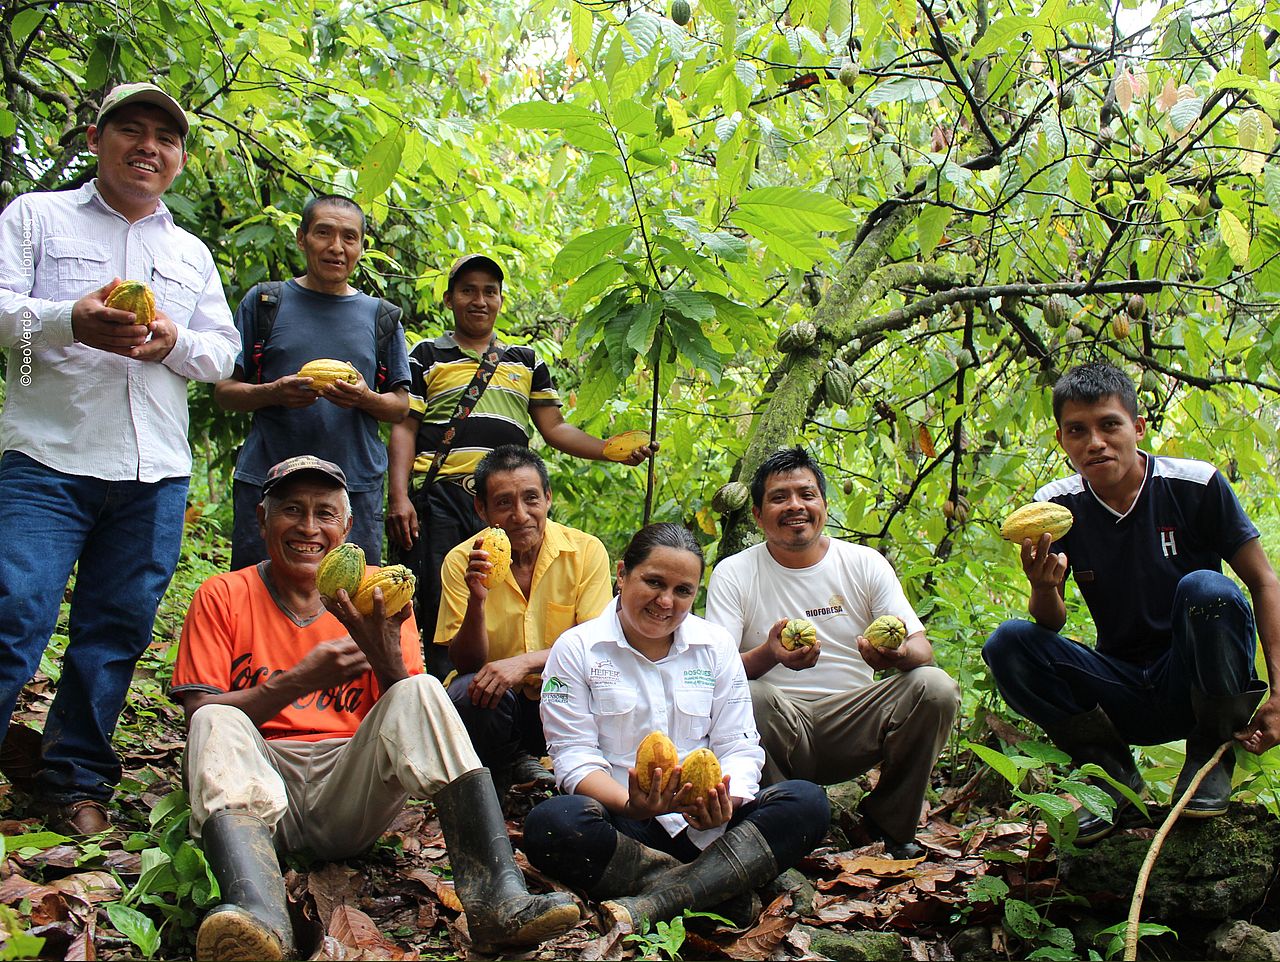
(309, 728)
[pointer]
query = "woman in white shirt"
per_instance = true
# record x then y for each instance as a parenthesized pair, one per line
(647, 664)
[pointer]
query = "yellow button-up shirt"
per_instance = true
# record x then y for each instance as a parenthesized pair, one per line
(571, 585)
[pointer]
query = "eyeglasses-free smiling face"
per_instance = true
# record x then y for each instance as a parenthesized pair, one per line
(793, 511)
(655, 596)
(140, 152)
(303, 522)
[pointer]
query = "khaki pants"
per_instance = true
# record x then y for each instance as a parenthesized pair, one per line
(900, 723)
(336, 796)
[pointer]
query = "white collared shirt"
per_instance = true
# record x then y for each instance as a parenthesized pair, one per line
(600, 697)
(88, 412)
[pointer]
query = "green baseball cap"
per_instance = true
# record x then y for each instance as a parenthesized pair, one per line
(143, 93)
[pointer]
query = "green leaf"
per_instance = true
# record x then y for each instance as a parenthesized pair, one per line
(914, 90)
(997, 760)
(136, 927)
(692, 342)
(1271, 187)
(599, 384)
(1235, 235)
(795, 205)
(581, 27)
(589, 249)
(1254, 61)
(24, 22)
(175, 801)
(1022, 919)
(1185, 113)
(380, 166)
(1005, 32)
(1059, 809)
(581, 127)
(930, 224)
(690, 304)
(595, 280)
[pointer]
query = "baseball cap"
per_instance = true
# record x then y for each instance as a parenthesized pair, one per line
(143, 93)
(475, 260)
(303, 462)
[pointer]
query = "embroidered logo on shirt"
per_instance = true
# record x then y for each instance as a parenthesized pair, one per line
(1168, 545)
(554, 690)
(699, 678)
(604, 674)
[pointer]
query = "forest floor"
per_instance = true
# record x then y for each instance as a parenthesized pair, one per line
(89, 900)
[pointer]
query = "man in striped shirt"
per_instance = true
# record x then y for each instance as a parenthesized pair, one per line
(520, 396)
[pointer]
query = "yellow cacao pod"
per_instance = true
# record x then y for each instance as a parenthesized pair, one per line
(325, 371)
(397, 583)
(886, 632)
(343, 567)
(798, 633)
(655, 751)
(622, 446)
(1033, 520)
(1120, 327)
(498, 545)
(701, 768)
(134, 296)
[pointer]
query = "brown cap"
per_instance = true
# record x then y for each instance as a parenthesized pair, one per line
(143, 93)
(475, 260)
(304, 462)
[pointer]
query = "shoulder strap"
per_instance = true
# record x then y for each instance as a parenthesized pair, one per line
(386, 326)
(489, 361)
(265, 309)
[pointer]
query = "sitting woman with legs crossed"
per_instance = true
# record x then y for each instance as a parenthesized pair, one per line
(647, 664)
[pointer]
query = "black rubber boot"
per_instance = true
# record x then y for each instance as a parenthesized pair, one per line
(252, 923)
(735, 864)
(1218, 718)
(500, 910)
(634, 868)
(1090, 737)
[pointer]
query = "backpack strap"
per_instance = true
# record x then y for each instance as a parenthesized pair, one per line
(386, 326)
(265, 309)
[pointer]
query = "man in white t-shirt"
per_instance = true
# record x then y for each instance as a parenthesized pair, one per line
(822, 715)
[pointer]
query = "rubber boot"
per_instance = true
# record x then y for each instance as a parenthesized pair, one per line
(1090, 737)
(500, 910)
(253, 920)
(735, 864)
(634, 868)
(1218, 718)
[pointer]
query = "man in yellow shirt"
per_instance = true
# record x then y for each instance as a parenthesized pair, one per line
(499, 637)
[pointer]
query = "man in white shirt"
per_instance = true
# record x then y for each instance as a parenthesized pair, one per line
(822, 715)
(94, 431)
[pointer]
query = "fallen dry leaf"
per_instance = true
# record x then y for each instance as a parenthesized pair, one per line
(353, 928)
(436, 886)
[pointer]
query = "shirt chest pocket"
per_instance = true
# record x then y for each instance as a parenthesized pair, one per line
(693, 713)
(81, 266)
(614, 709)
(177, 287)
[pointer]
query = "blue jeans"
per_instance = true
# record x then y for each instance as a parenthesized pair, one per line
(126, 537)
(499, 733)
(248, 548)
(573, 837)
(1048, 678)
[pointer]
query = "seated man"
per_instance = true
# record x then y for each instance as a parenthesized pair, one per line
(1175, 650)
(822, 715)
(309, 728)
(499, 637)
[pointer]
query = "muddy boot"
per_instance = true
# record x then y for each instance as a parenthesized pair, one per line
(1090, 737)
(1218, 718)
(500, 910)
(734, 865)
(633, 868)
(253, 920)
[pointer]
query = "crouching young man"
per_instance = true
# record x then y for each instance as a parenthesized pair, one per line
(309, 728)
(1176, 637)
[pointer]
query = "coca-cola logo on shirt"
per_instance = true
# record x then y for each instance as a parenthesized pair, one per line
(346, 697)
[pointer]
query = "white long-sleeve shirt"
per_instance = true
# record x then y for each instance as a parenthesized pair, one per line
(88, 412)
(600, 697)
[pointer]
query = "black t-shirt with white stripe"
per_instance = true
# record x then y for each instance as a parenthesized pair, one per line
(1127, 567)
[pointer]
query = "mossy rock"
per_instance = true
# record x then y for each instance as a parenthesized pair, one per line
(1215, 868)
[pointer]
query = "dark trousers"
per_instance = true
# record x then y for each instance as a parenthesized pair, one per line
(1048, 678)
(446, 517)
(498, 733)
(124, 537)
(248, 548)
(573, 837)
